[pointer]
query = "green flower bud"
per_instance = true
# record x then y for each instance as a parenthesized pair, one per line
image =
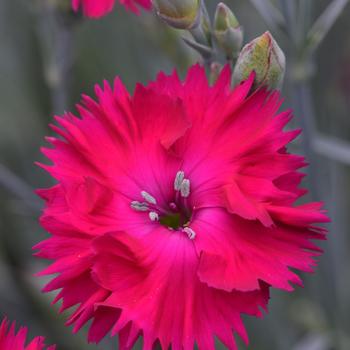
(264, 56)
(180, 14)
(227, 31)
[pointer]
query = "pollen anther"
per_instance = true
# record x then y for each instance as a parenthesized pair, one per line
(180, 175)
(139, 206)
(148, 198)
(190, 233)
(185, 188)
(153, 216)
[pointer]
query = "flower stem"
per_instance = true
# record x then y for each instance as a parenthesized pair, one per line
(201, 33)
(15, 185)
(56, 32)
(305, 112)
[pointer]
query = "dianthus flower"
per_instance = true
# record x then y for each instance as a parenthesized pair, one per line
(174, 211)
(9, 340)
(99, 8)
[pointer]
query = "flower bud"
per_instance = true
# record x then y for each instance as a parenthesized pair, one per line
(264, 56)
(180, 14)
(227, 31)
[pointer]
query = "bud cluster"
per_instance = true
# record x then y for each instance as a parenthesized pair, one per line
(225, 35)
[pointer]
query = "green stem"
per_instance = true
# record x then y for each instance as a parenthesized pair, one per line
(15, 185)
(56, 32)
(201, 33)
(271, 15)
(324, 23)
(305, 114)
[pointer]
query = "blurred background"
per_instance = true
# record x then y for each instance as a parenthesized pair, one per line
(47, 61)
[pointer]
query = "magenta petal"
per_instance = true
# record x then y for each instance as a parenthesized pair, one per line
(99, 8)
(175, 210)
(93, 8)
(238, 254)
(10, 340)
(162, 268)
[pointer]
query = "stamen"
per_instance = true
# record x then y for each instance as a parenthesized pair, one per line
(176, 214)
(180, 175)
(185, 188)
(190, 233)
(148, 198)
(153, 216)
(136, 205)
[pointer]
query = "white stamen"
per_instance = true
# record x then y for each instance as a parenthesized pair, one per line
(180, 175)
(139, 206)
(153, 216)
(185, 188)
(148, 198)
(190, 233)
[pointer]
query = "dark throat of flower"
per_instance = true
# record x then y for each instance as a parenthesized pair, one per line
(177, 215)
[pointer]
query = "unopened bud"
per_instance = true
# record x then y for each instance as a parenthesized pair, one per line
(227, 30)
(181, 14)
(264, 56)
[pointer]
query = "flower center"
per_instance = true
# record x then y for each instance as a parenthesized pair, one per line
(177, 214)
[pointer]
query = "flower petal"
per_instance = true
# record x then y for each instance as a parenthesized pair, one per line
(161, 268)
(93, 8)
(10, 340)
(237, 254)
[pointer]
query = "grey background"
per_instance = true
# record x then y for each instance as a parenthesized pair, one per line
(136, 48)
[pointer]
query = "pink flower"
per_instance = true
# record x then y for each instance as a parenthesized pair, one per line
(9, 340)
(174, 210)
(99, 8)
